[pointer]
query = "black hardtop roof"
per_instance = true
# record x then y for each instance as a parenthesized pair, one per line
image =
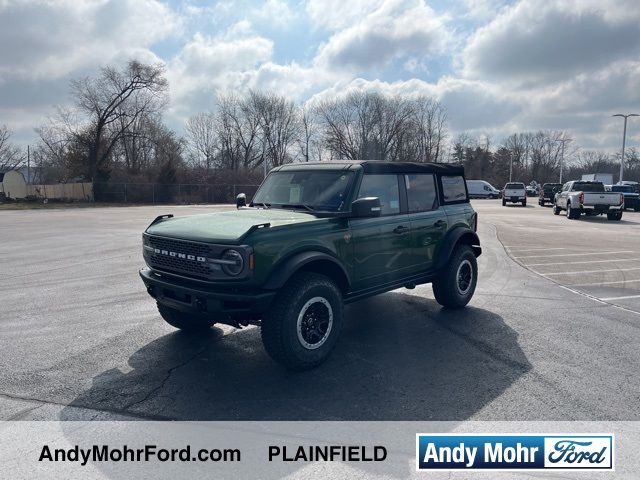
(377, 166)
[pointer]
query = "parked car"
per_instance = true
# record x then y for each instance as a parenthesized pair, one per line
(548, 193)
(482, 189)
(531, 190)
(514, 192)
(631, 197)
(590, 198)
(635, 185)
(315, 237)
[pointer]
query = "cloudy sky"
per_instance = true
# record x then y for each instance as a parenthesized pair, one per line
(497, 66)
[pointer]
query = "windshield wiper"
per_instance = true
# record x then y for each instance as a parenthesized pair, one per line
(298, 206)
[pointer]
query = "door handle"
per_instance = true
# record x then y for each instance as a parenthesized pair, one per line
(400, 229)
(440, 223)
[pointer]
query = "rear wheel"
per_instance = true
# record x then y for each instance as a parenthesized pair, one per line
(456, 283)
(541, 203)
(303, 324)
(572, 213)
(556, 209)
(504, 202)
(185, 321)
(614, 215)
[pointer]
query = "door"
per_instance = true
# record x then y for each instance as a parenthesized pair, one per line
(428, 222)
(382, 245)
(562, 196)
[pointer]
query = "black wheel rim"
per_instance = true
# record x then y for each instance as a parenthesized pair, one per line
(464, 277)
(315, 321)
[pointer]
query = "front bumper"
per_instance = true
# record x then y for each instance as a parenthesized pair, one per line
(187, 296)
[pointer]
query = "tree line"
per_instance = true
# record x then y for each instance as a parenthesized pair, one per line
(114, 132)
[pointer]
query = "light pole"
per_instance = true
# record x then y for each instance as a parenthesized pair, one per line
(510, 166)
(563, 141)
(624, 137)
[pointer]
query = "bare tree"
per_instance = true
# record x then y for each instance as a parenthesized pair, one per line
(202, 138)
(10, 155)
(366, 125)
(238, 133)
(112, 103)
(279, 125)
(427, 134)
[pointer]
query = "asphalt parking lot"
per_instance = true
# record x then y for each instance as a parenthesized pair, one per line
(593, 255)
(546, 337)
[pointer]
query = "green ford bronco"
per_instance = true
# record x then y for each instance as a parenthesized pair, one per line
(314, 237)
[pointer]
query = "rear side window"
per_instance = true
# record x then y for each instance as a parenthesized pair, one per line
(453, 188)
(421, 192)
(385, 187)
(588, 187)
(515, 186)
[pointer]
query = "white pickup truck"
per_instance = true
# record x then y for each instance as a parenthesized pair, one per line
(578, 197)
(514, 192)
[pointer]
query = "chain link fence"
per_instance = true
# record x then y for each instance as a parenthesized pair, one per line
(152, 193)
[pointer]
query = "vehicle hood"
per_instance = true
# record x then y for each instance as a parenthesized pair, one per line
(226, 227)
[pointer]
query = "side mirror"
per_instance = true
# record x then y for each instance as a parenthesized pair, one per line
(366, 207)
(241, 200)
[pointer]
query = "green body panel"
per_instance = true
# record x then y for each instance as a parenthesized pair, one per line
(225, 227)
(379, 254)
(373, 251)
(271, 246)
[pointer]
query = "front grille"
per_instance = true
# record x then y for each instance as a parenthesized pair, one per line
(171, 256)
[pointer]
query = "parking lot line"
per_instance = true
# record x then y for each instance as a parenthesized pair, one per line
(602, 283)
(593, 271)
(621, 298)
(587, 261)
(575, 254)
(535, 249)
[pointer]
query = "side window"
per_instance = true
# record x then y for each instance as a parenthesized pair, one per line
(385, 187)
(453, 188)
(421, 192)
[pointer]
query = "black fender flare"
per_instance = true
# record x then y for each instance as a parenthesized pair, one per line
(456, 236)
(284, 269)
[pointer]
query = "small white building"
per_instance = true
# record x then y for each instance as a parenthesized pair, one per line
(13, 184)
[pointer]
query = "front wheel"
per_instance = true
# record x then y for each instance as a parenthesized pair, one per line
(524, 202)
(185, 321)
(303, 324)
(456, 283)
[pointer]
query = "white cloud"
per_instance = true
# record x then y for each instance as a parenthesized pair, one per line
(339, 14)
(275, 13)
(208, 65)
(394, 29)
(52, 39)
(537, 41)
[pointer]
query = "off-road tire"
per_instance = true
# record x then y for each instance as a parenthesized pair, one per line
(187, 322)
(446, 286)
(281, 332)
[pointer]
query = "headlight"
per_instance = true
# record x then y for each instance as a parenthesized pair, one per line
(233, 262)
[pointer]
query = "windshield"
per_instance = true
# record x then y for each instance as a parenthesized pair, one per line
(622, 189)
(308, 190)
(588, 187)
